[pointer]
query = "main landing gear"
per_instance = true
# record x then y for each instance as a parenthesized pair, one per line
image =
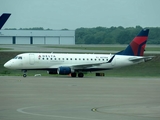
(24, 73)
(75, 74)
(80, 74)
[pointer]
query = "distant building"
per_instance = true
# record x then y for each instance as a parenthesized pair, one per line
(57, 37)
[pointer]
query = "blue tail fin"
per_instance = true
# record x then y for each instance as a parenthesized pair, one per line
(137, 45)
(3, 19)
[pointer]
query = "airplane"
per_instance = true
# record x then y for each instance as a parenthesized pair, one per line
(3, 18)
(78, 64)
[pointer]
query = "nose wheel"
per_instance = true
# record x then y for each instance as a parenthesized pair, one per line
(24, 73)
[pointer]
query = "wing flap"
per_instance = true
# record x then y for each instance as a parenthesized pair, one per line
(86, 65)
(91, 64)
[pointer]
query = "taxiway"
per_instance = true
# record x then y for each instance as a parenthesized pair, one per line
(90, 98)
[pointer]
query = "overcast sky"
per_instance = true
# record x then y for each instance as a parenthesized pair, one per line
(72, 14)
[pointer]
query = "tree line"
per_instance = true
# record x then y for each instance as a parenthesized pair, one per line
(112, 35)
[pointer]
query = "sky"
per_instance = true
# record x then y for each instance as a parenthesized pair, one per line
(73, 14)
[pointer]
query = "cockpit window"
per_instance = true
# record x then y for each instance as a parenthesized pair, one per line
(15, 57)
(19, 57)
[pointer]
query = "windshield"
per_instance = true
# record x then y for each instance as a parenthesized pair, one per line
(15, 57)
(18, 57)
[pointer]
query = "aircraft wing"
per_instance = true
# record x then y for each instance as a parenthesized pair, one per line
(80, 66)
(137, 59)
(86, 65)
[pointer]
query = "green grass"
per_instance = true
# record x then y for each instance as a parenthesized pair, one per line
(5, 49)
(148, 69)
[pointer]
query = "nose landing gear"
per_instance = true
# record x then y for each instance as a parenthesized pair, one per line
(24, 73)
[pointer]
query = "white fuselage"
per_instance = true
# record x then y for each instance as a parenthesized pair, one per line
(46, 61)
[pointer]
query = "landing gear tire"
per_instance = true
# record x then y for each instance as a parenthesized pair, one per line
(80, 75)
(24, 75)
(73, 74)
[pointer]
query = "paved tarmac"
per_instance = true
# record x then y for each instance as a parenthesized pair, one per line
(45, 48)
(89, 98)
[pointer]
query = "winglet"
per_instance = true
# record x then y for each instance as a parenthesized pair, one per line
(137, 45)
(3, 18)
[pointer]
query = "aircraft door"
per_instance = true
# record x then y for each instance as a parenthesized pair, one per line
(31, 59)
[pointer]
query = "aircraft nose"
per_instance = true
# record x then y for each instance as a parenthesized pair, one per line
(7, 64)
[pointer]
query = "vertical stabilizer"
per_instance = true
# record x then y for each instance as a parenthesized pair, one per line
(137, 45)
(3, 19)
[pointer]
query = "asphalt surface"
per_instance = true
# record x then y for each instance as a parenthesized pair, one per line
(88, 98)
(45, 48)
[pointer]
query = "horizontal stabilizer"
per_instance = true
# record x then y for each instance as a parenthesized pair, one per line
(145, 58)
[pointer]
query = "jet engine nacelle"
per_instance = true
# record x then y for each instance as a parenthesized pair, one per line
(64, 70)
